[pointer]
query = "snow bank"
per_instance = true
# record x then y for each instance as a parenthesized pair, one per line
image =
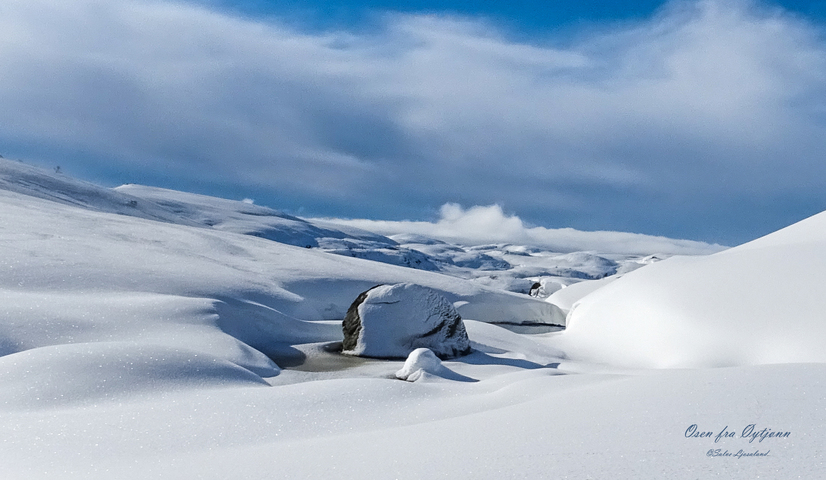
(494, 310)
(762, 302)
(87, 373)
(565, 298)
(35, 319)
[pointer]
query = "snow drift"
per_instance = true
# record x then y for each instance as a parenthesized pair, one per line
(761, 302)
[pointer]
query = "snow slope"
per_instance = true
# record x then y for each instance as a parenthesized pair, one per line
(138, 342)
(53, 244)
(246, 218)
(761, 302)
(27, 180)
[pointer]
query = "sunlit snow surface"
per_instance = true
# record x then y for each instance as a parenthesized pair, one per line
(154, 334)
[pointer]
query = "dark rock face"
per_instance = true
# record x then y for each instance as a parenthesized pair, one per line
(352, 322)
(390, 321)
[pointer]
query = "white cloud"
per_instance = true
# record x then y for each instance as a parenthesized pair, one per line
(678, 124)
(480, 225)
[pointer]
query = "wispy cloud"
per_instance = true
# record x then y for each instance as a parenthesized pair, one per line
(480, 225)
(706, 120)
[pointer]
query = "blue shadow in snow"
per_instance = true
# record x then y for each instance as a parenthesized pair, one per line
(481, 358)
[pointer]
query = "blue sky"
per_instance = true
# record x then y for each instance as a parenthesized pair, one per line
(536, 18)
(703, 120)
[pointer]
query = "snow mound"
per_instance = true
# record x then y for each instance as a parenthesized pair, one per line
(759, 303)
(507, 345)
(494, 310)
(419, 361)
(567, 297)
(390, 321)
(84, 373)
(35, 319)
(423, 364)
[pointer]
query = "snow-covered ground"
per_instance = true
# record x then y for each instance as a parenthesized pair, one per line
(146, 333)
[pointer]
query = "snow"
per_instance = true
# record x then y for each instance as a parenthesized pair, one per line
(393, 320)
(758, 303)
(480, 224)
(247, 218)
(390, 321)
(155, 334)
(566, 298)
(71, 375)
(423, 364)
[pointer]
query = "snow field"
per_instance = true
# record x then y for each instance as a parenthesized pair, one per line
(139, 341)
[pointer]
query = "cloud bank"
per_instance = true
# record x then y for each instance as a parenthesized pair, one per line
(480, 225)
(705, 121)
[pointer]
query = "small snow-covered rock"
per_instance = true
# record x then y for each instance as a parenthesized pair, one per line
(419, 361)
(390, 321)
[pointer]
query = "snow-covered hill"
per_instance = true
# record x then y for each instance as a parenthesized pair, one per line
(761, 302)
(146, 333)
(510, 267)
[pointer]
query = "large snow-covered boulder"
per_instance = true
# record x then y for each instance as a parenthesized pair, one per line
(390, 321)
